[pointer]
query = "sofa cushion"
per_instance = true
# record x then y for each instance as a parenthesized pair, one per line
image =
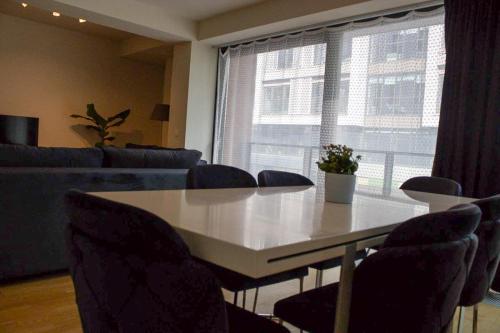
(28, 156)
(150, 158)
(138, 146)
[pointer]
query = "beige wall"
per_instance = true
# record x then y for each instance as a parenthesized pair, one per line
(179, 91)
(201, 98)
(50, 73)
(191, 76)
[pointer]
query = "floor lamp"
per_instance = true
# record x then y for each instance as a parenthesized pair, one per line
(161, 112)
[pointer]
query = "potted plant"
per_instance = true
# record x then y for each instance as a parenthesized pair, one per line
(101, 124)
(340, 167)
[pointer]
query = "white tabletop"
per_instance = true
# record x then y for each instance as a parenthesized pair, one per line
(262, 231)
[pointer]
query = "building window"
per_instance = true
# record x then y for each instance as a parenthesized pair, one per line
(284, 59)
(276, 97)
(396, 94)
(344, 94)
(317, 96)
(319, 54)
(399, 45)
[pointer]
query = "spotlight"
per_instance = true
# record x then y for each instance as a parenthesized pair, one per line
(82, 20)
(24, 4)
(56, 14)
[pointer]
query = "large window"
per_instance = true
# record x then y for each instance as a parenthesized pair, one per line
(376, 88)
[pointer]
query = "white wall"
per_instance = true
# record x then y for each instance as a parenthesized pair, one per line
(201, 99)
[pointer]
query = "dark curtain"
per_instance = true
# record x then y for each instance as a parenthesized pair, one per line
(468, 143)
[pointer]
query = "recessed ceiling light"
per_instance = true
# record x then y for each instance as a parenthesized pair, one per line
(56, 14)
(24, 4)
(82, 20)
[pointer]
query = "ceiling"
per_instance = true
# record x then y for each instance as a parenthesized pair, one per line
(154, 55)
(13, 8)
(199, 9)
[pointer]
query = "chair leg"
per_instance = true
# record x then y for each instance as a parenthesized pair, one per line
(301, 285)
(255, 299)
(319, 278)
(449, 329)
(244, 298)
(475, 318)
(235, 300)
(460, 326)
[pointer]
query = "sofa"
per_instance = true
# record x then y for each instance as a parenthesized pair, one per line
(33, 182)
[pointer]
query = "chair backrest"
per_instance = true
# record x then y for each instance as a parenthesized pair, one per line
(268, 178)
(487, 257)
(133, 273)
(218, 176)
(436, 185)
(413, 284)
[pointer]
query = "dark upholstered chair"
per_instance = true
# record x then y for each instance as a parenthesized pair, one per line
(412, 284)
(487, 257)
(133, 273)
(271, 178)
(495, 285)
(220, 176)
(433, 185)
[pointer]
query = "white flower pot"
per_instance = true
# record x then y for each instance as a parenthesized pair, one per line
(339, 188)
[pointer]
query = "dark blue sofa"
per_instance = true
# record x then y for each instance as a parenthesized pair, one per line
(33, 182)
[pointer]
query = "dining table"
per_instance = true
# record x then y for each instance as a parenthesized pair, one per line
(263, 231)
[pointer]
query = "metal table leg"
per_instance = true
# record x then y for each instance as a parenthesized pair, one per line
(345, 288)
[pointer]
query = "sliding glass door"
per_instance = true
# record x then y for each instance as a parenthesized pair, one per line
(375, 86)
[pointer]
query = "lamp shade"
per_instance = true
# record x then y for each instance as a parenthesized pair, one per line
(161, 112)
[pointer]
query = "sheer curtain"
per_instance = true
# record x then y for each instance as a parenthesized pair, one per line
(374, 86)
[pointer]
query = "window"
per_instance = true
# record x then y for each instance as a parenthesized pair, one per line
(378, 95)
(317, 96)
(284, 59)
(398, 45)
(319, 54)
(276, 97)
(344, 94)
(395, 94)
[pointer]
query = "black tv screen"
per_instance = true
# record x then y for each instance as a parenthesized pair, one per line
(19, 130)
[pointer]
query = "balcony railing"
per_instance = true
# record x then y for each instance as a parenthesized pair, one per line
(379, 170)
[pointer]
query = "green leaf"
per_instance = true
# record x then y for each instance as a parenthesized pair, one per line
(83, 117)
(118, 123)
(122, 116)
(98, 129)
(92, 113)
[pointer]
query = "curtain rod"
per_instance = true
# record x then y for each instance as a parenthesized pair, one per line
(374, 15)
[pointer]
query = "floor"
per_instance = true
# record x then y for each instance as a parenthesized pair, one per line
(47, 305)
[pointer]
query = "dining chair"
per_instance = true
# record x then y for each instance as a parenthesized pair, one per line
(221, 176)
(133, 273)
(272, 178)
(486, 260)
(412, 284)
(436, 185)
(495, 285)
(213, 176)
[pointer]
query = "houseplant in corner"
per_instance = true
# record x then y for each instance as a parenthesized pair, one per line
(102, 125)
(340, 167)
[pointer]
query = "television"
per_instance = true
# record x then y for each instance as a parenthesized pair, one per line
(19, 130)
